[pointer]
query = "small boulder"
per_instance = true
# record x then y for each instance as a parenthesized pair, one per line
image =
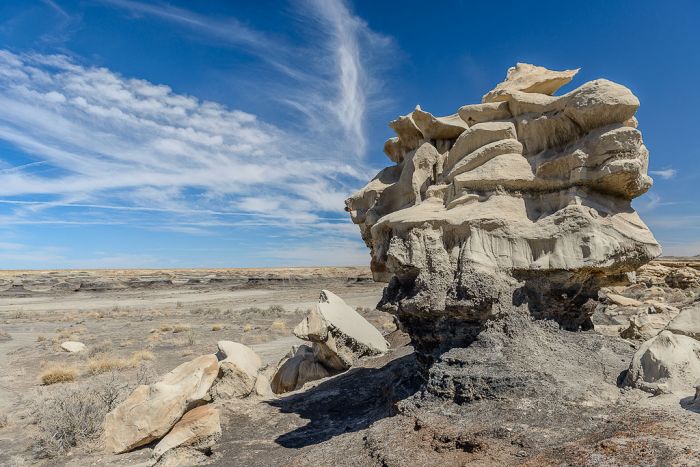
(299, 367)
(200, 428)
(341, 333)
(73, 346)
(687, 323)
(665, 363)
(238, 371)
(151, 411)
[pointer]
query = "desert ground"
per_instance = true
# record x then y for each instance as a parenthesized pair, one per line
(139, 324)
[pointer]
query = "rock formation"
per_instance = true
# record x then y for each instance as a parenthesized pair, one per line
(339, 336)
(151, 411)
(521, 202)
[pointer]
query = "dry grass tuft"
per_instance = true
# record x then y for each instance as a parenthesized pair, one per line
(247, 328)
(181, 328)
(41, 338)
(142, 356)
(58, 373)
(165, 328)
(217, 327)
(278, 325)
(105, 363)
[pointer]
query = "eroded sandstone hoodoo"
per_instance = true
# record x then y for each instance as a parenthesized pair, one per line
(522, 202)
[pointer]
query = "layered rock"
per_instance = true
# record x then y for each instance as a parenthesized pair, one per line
(522, 202)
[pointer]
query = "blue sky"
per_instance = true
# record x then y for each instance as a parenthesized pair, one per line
(228, 134)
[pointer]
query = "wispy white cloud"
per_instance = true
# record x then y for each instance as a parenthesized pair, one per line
(108, 142)
(666, 174)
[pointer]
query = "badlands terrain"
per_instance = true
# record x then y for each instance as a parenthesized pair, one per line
(138, 325)
(526, 318)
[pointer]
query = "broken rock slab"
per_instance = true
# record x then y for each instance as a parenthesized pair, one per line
(151, 411)
(238, 371)
(339, 333)
(200, 428)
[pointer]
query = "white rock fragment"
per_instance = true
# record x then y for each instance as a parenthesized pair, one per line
(73, 346)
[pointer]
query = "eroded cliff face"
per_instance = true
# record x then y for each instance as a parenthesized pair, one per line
(522, 202)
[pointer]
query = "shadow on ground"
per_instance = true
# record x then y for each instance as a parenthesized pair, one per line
(691, 403)
(349, 402)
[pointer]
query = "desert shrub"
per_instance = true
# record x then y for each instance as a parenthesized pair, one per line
(217, 327)
(58, 373)
(247, 328)
(4, 421)
(75, 413)
(105, 363)
(181, 328)
(66, 417)
(41, 338)
(166, 328)
(273, 311)
(191, 340)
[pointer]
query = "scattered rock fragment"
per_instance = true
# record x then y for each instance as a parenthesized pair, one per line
(200, 428)
(151, 411)
(73, 346)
